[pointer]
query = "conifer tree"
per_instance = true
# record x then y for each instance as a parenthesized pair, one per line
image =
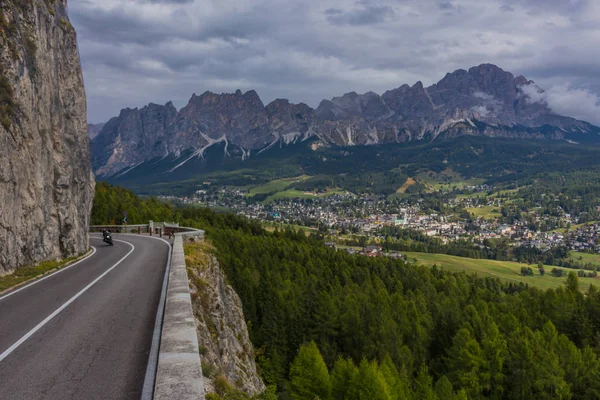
(398, 382)
(464, 364)
(423, 385)
(343, 375)
(371, 384)
(443, 388)
(309, 377)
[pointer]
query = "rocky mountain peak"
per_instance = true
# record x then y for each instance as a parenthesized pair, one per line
(289, 121)
(521, 81)
(169, 106)
(125, 112)
(278, 103)
(210, 99)
(485, 93)
(369, 106)
(345, 99)
(453, 76)
(494, 80)
(328, 110)
(409, 101)
(283, 106)
(487, 69)
(252, 96)
(349, 102)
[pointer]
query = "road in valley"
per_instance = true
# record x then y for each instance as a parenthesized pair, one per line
(86, 331)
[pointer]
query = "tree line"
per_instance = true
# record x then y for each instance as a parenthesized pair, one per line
(441, 332)
(399, 239)
(110, 202)
(333, 326)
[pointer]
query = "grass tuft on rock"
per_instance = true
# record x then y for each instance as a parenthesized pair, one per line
(26, 273)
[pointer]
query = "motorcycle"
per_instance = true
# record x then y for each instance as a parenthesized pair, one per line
(108, 239)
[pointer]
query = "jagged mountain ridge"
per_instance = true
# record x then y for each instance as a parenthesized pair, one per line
(483, 101)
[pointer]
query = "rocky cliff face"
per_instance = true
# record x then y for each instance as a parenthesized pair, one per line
(225, 346)
(46, 182)
(484, 100)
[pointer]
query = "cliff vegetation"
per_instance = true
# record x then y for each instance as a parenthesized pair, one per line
(227, 354)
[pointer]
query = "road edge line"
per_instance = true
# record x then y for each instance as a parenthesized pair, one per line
(24, 285)
(152, 366)
(39, 326)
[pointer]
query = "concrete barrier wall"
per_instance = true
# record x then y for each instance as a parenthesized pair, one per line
(179, 374)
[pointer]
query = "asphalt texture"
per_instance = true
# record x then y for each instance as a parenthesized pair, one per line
(97, 347)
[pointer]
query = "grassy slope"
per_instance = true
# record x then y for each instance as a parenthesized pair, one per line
(506, 271)
(446, 180)
(277, 185)
(492, 196)
(297, 194)
(487, 212)
(409, 182)
(25, 274)
(271, 226)
(586, 258)
(439, 165)
(575, 227)
(278, 189)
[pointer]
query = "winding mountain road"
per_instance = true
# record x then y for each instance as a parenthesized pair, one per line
(85, 332)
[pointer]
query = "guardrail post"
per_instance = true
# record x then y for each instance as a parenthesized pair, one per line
(139, 230)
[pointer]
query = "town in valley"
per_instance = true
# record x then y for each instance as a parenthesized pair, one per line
(478, 215)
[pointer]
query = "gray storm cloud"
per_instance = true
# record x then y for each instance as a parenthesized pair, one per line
(142, 51)
(578, 103)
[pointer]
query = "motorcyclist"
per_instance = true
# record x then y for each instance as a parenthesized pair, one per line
(106, 237)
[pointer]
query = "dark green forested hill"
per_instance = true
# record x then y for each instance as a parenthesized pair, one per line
(378, 169)
(110, 202)
(332, 326)
(405, 330)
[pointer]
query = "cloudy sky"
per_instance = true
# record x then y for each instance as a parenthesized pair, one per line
(140, 51)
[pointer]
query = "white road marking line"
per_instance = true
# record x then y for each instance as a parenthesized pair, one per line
(150, 378)
(152, 366)
(48, 276)
(65, 305)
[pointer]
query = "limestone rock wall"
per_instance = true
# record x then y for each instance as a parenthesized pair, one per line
(225, 345)
(46, 181)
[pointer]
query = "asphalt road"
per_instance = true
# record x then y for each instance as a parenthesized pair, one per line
(85, 332)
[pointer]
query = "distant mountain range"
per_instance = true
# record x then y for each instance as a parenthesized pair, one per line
(483, 101)
(94, 130)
